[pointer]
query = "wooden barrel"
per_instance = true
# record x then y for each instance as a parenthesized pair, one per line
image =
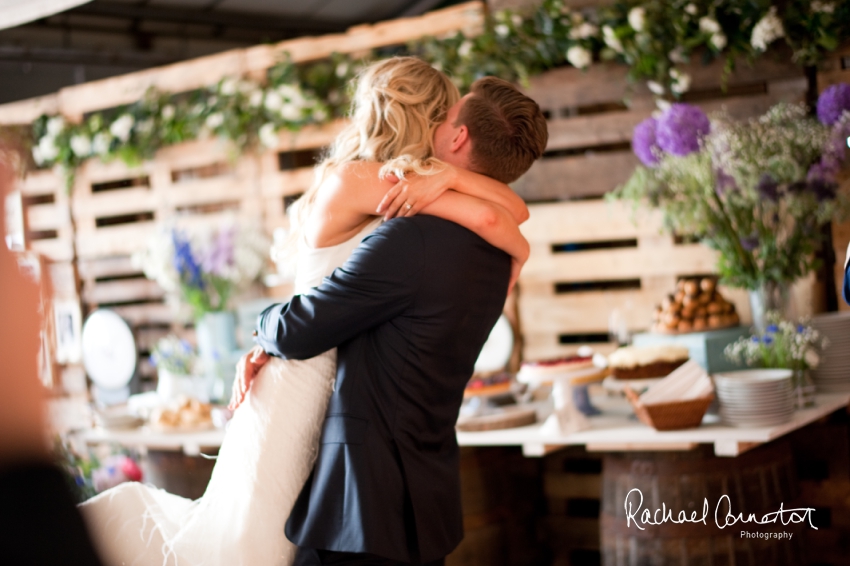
(759, 481)
(500, 495)
(177, 473)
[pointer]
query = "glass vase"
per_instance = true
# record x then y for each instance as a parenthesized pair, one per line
(804, 388)
(770, 296)
(216, 332)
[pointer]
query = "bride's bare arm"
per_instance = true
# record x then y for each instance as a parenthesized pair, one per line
(420, 191)
(353, 192)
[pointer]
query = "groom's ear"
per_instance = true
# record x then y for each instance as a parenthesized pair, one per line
(460, 139)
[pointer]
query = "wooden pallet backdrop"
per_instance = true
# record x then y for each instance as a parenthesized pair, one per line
(115, 207)
(589, 257)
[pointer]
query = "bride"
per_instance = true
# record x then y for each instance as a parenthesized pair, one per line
(272, 440)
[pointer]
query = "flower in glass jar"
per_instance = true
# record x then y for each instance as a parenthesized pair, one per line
(681, 128)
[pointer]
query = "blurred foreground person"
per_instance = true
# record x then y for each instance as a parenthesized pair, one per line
(39, 522)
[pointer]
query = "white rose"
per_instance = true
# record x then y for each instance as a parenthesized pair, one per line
(681, 81)
(691, 9)
(268, 135)
(502, 30)
(767, 30)
(583, 31)
(55, 126)
(122, 127)
(214, 120)
(37, 156)
(100, 143)
(677, 55)
(291, 93)
(319, 114)
(718, 41)
(611, 39)
(579, 57)
(708, 25)
(273, 101)
(637, 18)
(48, 148)
(465, 49)
(80, 145)
(167, 112)
(290, 112)
(825, 7)
(228, 87)
(255, 98)
(655, 87)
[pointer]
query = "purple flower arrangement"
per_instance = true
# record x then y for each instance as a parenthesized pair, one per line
(202, 268)
(678, 131)
(757, 191)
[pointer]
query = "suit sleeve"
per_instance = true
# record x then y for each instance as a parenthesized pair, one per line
(376, 284)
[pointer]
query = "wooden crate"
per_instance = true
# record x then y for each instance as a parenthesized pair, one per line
(589, 258)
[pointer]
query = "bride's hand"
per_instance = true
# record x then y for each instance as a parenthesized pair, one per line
(246, 370)
(413, 193)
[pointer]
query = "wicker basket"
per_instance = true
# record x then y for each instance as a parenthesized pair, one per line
(670, 416)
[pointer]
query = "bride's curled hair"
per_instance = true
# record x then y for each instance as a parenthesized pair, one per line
(397, 105)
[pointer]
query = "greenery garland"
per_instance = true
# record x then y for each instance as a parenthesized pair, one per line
(654, 38)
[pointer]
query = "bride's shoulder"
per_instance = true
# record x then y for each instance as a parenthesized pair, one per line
(354, 176)
(356, 171)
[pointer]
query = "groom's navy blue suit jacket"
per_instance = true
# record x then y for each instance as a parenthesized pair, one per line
(409, 312)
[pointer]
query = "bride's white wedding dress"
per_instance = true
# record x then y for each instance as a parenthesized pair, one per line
(267, 454)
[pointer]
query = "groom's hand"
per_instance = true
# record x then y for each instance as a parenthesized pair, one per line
(246, 370)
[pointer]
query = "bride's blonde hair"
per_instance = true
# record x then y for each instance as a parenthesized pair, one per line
(397, 105)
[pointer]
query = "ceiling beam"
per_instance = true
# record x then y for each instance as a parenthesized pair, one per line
(267, 22)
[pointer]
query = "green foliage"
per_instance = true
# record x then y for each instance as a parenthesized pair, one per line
(654, 38)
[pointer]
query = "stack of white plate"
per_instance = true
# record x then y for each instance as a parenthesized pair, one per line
(833, 373)
(755, 398)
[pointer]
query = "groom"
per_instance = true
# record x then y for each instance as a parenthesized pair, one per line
(409, 313)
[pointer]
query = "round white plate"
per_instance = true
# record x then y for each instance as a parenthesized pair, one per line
(497, 349)
(109, 350)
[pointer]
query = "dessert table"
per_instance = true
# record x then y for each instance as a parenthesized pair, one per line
(616, 430)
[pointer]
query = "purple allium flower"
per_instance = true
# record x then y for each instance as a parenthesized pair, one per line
(681, 128)
(644, 142)
(767, 340)
(724, 182)
(750, 242)
(833, 102)
(768, 188)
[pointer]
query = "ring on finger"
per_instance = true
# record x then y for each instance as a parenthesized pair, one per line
(407, 206)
